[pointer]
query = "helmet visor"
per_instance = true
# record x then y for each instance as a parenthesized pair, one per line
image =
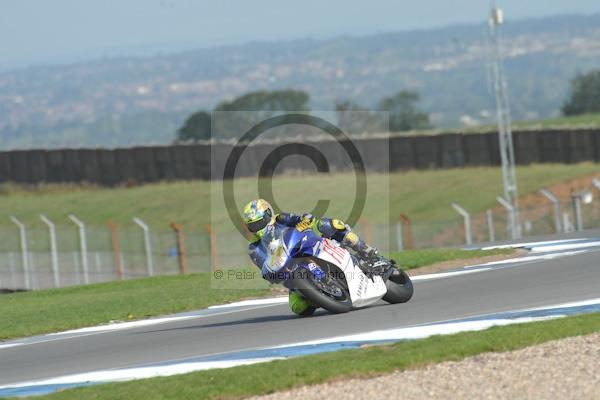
(260, 224)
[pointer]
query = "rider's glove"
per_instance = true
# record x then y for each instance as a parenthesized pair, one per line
(305, 223)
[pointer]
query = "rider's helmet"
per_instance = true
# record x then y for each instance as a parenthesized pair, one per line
(258, 215)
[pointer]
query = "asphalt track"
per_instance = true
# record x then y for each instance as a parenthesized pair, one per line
(510, 286)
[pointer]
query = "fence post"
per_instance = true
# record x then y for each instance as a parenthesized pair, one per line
(82, 247)
(147, 244)
(24, 250)
(368, 231)
(512, 225)
(32, 271)
(550, 196)
(566, 223)
(407, 230)
(98, 263)
(53, 249)
(116, 247)
(576, 200)
(490, 224)
(13, 270)
(579, 198)
(596, 183)
(399, 237)
(76, 265)
(214, 250)
(181, 254)
(467, 222)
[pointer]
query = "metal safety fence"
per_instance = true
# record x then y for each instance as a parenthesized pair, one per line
(52, 256)
(36, 258)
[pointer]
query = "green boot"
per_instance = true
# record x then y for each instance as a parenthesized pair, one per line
(299, 305)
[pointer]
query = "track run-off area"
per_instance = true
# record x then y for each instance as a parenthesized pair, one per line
(557, 277)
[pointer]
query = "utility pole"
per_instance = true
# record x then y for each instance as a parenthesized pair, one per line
(507, 153)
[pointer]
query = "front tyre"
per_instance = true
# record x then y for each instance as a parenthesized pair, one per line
(329, 293)
(399, 288)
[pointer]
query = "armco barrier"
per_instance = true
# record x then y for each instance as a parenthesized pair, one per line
(187, 162)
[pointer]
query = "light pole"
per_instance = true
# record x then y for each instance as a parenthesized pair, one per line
(511, 217)
(507, 153)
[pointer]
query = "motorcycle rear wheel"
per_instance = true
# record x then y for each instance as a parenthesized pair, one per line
(313, 290)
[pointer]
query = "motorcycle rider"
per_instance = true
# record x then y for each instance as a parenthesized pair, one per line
(259, 217)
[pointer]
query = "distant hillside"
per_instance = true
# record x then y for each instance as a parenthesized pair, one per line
(78, 104)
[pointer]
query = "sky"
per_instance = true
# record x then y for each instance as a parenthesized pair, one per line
(36, 32)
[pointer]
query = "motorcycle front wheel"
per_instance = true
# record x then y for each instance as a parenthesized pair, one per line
(328, 292)
(399, 288)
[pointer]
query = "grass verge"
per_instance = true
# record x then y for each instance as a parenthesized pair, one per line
(411, 259)
(422, 195)
(266, 378)
(575, 121)
(32, 313)
(572, 122)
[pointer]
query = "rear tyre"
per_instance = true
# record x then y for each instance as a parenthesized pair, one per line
(399, 288)
(332, 296)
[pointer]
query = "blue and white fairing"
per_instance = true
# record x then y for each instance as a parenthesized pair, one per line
(282, 245)
(287, 249)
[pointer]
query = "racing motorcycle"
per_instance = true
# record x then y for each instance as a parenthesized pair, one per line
(328, 275)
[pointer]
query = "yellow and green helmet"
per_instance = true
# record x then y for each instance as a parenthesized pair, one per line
(257, 215)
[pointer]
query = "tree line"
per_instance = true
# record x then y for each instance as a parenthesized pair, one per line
(584, 97)
(231, 118)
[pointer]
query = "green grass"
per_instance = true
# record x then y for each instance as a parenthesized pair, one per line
(31, 313)
(576, 121)
(422, 195)
(570, 122)
(238, 382)
(411, 259)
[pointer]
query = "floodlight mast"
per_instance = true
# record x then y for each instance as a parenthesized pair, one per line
(507, 153)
